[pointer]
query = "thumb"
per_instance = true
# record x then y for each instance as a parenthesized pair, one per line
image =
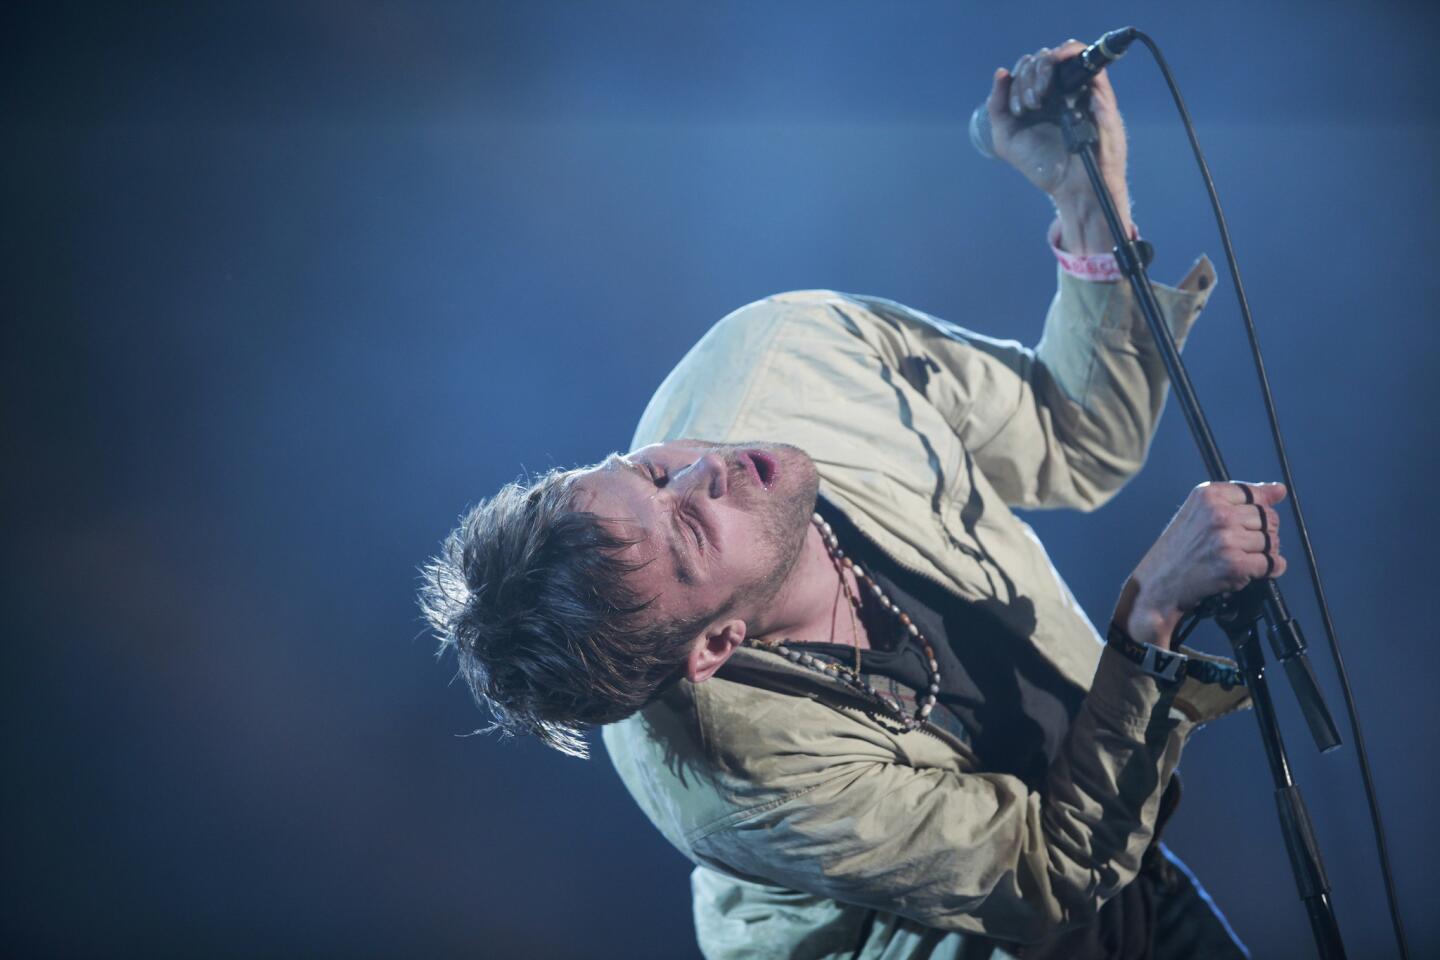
(999, 96)
(1270, 493)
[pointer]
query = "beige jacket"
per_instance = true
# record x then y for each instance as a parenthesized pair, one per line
(817, 829)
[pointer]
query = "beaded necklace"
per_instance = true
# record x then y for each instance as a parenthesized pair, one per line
(853, 678)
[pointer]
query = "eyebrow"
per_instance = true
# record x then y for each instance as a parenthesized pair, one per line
(615, 460)
(683, 572)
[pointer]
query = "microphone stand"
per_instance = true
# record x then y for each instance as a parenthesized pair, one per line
(1240, 614)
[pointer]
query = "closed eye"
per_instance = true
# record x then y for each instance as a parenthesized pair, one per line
(696, 525)
(695, 529)
(661, 479)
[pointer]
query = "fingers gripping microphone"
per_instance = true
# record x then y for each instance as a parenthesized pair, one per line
(1077, 71)
(1071, 74)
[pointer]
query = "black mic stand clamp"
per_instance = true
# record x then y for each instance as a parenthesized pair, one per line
(1241, 613)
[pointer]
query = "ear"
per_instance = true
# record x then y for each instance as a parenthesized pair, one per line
(712, 648)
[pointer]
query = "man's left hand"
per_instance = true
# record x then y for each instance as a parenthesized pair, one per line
(1038, 150)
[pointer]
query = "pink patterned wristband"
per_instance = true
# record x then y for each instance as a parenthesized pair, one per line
(1099, 267)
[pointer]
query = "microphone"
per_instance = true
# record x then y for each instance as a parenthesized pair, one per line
(1071, 74)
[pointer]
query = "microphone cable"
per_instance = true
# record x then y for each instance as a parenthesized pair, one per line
(1310, 561)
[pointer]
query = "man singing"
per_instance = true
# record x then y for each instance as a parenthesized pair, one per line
(833, 668)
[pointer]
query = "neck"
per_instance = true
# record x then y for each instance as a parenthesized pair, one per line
(812, 607)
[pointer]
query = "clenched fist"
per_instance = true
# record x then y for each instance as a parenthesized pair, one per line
(1219, 540)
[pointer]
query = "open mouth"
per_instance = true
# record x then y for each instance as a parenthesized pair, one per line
(762, 467)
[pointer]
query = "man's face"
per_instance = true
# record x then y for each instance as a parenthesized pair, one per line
(719, 526)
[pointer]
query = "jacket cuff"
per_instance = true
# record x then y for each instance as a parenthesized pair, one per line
(1110, 308)
(1203, 696)
(1126, 694)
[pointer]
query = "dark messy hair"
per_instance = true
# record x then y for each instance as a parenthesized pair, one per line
(534, 598)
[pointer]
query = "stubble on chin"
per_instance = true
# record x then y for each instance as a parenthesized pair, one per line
(785, 515)
(794, 504)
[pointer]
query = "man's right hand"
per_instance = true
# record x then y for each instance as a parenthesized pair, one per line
(1217, 543)
(1038, 150)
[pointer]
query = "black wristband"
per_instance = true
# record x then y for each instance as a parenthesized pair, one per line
(1171, 666)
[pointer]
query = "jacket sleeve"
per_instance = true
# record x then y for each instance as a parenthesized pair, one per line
(1066, 423)
(974, 852)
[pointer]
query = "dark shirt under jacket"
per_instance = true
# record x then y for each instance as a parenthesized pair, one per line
(995, 693)
(1013, 710)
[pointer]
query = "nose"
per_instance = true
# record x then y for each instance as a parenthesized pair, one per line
(708, 475)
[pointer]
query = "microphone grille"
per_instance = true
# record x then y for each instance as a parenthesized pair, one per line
(981, 136)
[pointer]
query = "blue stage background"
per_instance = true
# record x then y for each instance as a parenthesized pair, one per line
(286, 285)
